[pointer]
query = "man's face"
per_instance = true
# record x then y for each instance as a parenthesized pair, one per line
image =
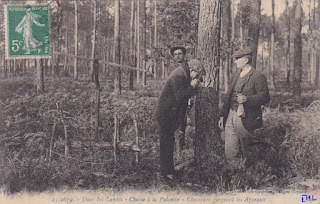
(178, 55)
(194, 74)
(241, 62)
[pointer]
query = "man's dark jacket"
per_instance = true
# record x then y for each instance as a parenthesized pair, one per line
(173, 101)
(257, 93)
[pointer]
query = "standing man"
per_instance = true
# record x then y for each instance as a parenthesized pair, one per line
(241, 113)
(171, 108)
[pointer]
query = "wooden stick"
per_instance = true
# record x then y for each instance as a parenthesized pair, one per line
(115, 138)
(137, 138)
(101, 61)
(66, 144)
(51, 141)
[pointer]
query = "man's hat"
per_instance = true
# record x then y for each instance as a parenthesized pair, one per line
(243, 52)
(174, 48)
(197, 66)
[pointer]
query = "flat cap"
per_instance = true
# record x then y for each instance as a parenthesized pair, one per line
(243, 52)
(197, 66)
(174, 48)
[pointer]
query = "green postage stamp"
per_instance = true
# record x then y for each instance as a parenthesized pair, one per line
(27, 31)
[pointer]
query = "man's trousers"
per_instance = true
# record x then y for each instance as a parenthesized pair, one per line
(236, 138)
(166, 149)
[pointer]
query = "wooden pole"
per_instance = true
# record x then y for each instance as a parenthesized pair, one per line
(115, 139)
(137, 138)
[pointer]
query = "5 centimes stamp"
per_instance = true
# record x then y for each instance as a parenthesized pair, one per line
(27, 31)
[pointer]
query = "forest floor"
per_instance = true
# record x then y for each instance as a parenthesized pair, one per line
(286, 156)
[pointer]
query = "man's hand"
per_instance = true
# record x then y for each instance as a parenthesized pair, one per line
(220, 123)
(241, 98)
(195, 83)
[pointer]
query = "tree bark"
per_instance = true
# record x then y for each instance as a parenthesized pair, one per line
(207, 142)
(226, 36)
(253, 29)
(297, 77)
(116, 56)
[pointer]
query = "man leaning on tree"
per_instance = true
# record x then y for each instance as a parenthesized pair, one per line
(241, 112)
(171, 108)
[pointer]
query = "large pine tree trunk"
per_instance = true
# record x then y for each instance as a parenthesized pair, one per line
(272, 84)
(297, 76)
(207, 142)
(226, 36)
(253, 29)
(116, 56)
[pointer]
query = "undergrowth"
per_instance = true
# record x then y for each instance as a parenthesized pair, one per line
(286, 147)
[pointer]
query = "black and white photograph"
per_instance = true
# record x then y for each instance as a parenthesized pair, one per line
(159, 101)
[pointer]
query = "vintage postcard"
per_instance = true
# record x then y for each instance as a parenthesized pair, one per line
(159, 101)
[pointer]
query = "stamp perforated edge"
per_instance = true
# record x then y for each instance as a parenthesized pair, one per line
(7, 57)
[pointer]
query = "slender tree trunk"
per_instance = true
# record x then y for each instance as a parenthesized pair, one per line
(75, 66)
(287, 46)
(116, 56)
(241, 30)
(232, 39)
(97, 93)
(272, 84)
(132, 49)
(138, 39)
(155, 40)
(144, 43)
(297, 77)
(93, 39)
(5, 68)
(39, 76)
(207, 142)
(316, 80)
(65, 57)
